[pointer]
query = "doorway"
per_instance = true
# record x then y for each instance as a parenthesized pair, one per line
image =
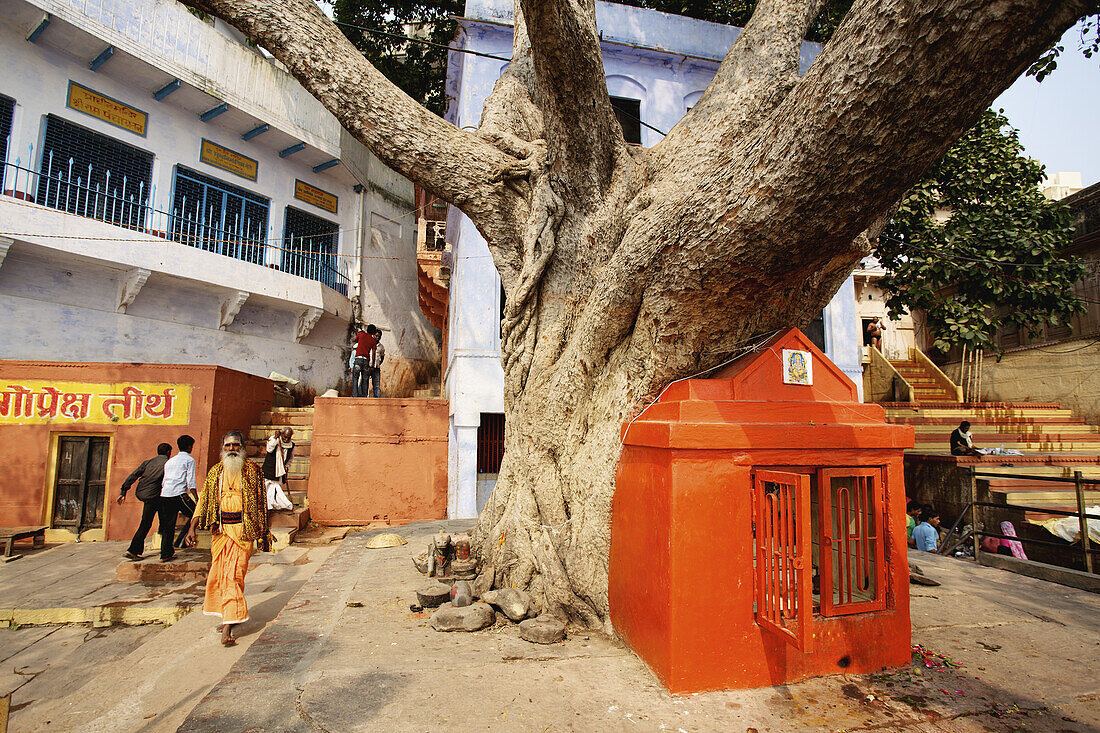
(81, 484)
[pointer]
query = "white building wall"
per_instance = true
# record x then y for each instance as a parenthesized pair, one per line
(60, 280)
(664, 61)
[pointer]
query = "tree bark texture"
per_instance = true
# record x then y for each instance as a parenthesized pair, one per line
(626, 269)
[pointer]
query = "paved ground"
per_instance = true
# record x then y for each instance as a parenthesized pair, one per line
(75, 582)
(131, 678)
(1028, 651)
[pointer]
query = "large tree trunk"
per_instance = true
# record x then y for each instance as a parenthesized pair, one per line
(626, 269)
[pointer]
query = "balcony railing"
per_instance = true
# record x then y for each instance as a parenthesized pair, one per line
(125, 204)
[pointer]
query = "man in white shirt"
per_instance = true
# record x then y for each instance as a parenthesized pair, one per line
(177, 494)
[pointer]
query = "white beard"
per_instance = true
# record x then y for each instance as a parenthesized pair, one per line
(233, 462)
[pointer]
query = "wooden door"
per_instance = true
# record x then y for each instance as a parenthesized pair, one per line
(81, 483)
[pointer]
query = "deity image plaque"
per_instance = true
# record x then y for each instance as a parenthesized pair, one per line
(798, 367)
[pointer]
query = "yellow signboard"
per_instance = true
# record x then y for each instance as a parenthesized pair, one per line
(313, 195)
(36, 402)
(228, 160)
(83, 99)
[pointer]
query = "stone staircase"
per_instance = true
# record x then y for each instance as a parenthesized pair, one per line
(920, 377)
(285, 525)
(1054, 441)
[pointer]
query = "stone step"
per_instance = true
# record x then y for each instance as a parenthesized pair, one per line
(255, 447)
(293, 409)
(977, 422)
(293, 419)
(297, 483)
(1060, 471)
(992, 429)
(298, 518)
(970, 413)
(426, 394)
(263, 432)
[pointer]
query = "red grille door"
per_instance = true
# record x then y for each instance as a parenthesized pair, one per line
(784, 601)
(853, 572)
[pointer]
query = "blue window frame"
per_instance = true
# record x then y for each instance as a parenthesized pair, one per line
(7, 111)
(93, 175)
(218, 216)
(309, 249)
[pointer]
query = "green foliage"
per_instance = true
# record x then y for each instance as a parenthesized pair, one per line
(418, 69)
(994, 261)
(1088, 44)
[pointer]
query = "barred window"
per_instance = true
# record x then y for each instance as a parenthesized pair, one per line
(7, 110)
(219, 217)
(309, 248)
(93, 175)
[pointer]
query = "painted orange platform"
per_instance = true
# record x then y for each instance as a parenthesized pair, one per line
(682, 578)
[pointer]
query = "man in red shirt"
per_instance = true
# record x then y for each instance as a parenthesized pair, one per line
(364, 344)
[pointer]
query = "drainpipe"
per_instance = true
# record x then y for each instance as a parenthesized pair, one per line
(357, 276)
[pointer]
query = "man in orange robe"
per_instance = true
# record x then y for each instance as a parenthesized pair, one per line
(233, 506)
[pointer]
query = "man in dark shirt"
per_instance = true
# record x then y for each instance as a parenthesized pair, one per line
(148, 476)
(962, 443)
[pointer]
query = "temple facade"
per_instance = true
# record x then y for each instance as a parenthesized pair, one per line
(657, 66)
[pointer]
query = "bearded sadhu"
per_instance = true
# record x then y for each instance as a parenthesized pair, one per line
(233, 506)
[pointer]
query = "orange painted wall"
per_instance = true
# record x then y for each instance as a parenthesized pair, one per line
(378, 459)
(220, 398)
(681, 576)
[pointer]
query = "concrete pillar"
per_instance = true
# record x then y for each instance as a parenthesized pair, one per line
(844, 333)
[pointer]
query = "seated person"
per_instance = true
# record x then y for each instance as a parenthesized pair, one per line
(925, 534)
(912, 513)
(962, 443)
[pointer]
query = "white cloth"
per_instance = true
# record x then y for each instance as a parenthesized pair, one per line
(968, 437)
(378, 357)
(179, 475)
(280, 448)
(276, 497)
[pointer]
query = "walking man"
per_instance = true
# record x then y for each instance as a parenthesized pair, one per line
(280, 451)
(377, 356)
(148, 476)
(233, 507)
(363, 344)
(179, 481)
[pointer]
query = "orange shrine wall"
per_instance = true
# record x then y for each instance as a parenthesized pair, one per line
(682, 578)
(378, 460)
(220, 399)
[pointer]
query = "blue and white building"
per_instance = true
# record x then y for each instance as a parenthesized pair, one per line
(170, 194)
(657, 66)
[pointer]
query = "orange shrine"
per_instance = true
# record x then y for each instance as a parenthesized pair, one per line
(758, 527)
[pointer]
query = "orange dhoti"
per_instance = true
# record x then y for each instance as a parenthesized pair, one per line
(229, 556)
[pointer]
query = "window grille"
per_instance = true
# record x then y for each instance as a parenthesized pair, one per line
(852, 552)
(7, 111)
(309, 248)
(93, 175)
(218, 217)
(490, 442)
(784, 597)
(629, 114)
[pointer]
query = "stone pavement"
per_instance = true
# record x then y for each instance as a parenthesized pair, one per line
(76, 583)
(135, 678)
(1028, 651)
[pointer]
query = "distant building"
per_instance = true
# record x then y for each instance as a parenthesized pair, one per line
(657, 66)
(172, 195)
(1061, 185)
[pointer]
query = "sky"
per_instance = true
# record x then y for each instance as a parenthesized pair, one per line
(1059, 119)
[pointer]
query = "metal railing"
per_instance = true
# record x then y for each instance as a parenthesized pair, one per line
(974, 534)
(125, 204)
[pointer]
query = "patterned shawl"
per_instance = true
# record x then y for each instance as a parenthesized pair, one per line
(253, 497)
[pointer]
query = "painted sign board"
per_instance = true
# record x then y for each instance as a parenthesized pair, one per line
(228, 160)
(313, 195)
(37, 402)
(111, 111)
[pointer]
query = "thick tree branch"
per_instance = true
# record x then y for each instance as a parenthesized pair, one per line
(898, 83)
(583, 137)
(757, 73)
(458, 166)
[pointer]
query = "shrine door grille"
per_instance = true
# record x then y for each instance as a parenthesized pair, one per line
(784, 600)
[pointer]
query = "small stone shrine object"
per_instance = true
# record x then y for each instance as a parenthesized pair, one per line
(542, 630)
(439, 552)
(433, 594)
(513, 603)
(463, 566)
(461, 594)
(420, 562)
(474, 617)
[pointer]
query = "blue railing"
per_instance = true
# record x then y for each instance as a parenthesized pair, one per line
(126, 204)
